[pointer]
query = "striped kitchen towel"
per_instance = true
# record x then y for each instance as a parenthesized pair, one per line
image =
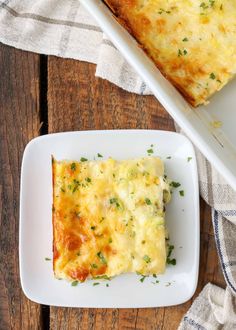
(63, 28)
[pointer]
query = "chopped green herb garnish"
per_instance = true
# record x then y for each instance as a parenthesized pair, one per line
(168, 284)
(189, 158)
(103, 277)
(74, 283)
(76, 185)
(212, 2)
(150, 151)
(82, 159)
(62, 189)
(48, 259)
(175, 184)
(156, 282)
(115, 201)
(169, 157)
(181, 192)
(96, 283)
(147, 259)
(99, 155)
(142, 278)
(180, 53)
(148, 202)
(171, 261)
(110, 240)
(152, 145)
(170, 249)
(93, 227)
(73, 167)
(185, 52)
(154, 275)
(101, 257)
(107, 285)
(212, 76)
(88, 179)
(185, 39)
(94, 266)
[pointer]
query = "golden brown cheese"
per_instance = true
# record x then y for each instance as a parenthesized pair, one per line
(192, 42)
(108, 217)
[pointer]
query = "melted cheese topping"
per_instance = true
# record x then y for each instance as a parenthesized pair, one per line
(192, 42)
(108, 217)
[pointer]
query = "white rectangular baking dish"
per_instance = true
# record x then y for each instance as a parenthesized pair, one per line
(217, 144)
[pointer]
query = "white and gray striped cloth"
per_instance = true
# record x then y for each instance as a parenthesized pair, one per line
(63, 28)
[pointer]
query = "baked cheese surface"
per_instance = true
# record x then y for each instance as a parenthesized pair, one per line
(108, 217)
(192, 42)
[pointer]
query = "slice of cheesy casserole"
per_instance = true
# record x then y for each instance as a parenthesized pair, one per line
(192, 42)
(108, 217)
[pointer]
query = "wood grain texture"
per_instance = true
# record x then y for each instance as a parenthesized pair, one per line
(79, 101)
(19, 123)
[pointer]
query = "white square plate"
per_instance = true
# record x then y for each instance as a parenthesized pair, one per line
(179, 282)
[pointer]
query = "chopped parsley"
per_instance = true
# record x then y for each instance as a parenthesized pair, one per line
(212, 76)
(142, 278)
(169, 157)
(48, 259)
(170, 261)
(107, 285)
(185, 39)
(94, 266)
(62, 189)
(76, 185)
(99, 155)
(82, 159)
(110, 240)
(96, 283)
(88, 180)
(156, 282)
(203, 5)
(147, 259)
(73, 167)
(181, 192)
(101, 257)
(175, 184)
(93, 227)
(148, 202)
(154, 275)
(189, 158)
(74, 283)
(150, 151)
(115, 201)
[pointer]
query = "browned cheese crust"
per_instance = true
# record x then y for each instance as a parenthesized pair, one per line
(193, 43)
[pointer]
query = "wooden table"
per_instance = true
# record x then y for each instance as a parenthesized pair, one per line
(40, 95)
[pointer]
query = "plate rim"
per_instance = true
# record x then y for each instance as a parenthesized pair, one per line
(35, 140)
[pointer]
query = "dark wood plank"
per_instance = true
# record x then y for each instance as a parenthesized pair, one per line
(79, 101)
(19, 122)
